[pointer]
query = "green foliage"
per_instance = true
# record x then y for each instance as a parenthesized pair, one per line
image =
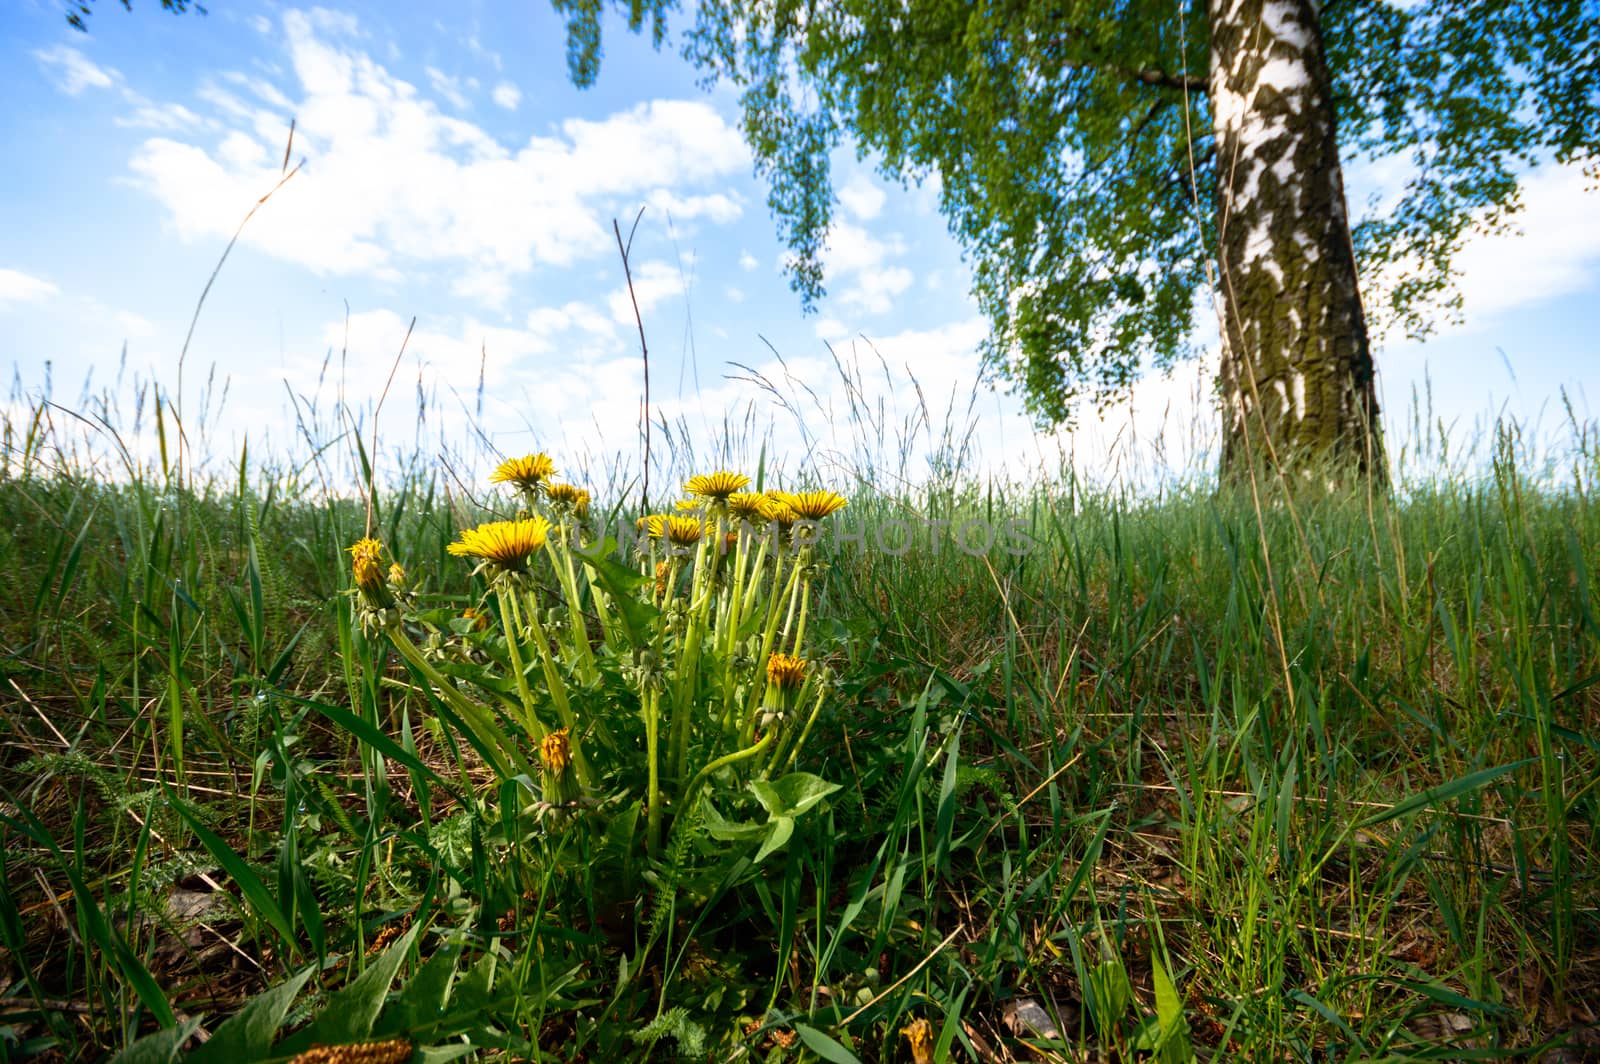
(1072, 145)
(80, 10)
(1204, 779)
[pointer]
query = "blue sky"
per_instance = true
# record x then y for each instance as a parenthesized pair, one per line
(452, 174)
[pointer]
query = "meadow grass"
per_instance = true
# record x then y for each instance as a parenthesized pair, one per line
(1194, 772)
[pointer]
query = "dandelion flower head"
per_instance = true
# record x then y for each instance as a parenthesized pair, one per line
(569, 496)
(814, 505)
(786, 671)
(748, 506)
(530, 472)
(716, 486)
(683, 531)
(505, 544)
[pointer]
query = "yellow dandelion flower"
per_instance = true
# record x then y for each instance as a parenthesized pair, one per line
(683, 531)
(530, 472)
(716, 486)
(555, 752)
(570, 496)
(786, 671)
(814, 505)
(652, 525)
(505, 544)
(689, 506)
(780, 512)
(920, 1035)
(476, 619)
(748, 506)
(366, 565)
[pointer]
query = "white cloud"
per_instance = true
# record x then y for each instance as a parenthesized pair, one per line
(717, 207)
(862, 198)
(72, 71)
(134, 324)
(734, 295)
(747, 261)
(507, 95)
(831, 330)
(1552, 249)
(261, 24)
(490, 287)
(166, 118)
(875, 289)
(856, 263)
(1554, 253)
(334, 23)
(448, 87)
(261, 88)
(18, 287)
(653, 282)
(393, 183)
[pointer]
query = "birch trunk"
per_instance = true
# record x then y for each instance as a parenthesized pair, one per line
(1297, 374)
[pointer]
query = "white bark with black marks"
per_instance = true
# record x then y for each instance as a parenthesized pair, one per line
(1297, 372)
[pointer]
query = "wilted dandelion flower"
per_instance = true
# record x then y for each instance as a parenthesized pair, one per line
(530, 472)
(663, 570)
(568, 496)
(920, 1034)
(786, 671)
(716, 486)
(555, 752)
(507, 545)
(557, 783)
(366, 565)
(814, 505)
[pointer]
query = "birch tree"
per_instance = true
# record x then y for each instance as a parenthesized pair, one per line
(1108, 166)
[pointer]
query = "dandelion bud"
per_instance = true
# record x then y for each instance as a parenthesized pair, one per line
(557, 783)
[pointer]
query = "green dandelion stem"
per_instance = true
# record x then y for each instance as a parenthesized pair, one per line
(558, 696)
(511, 624)
(496, 744)
(652, 744)
(561, 561)
(771, 634)
(794, 752)
(723, 762)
